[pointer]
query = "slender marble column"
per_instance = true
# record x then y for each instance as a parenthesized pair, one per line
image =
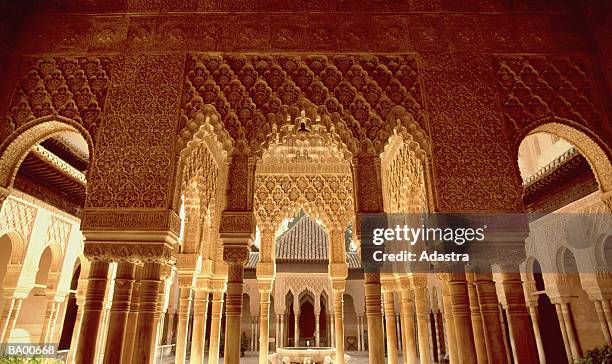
(317, 331)
(602, 321)
(332, 336)
(52, 306)
(215, 324)
(407, 311)
(569, 327)
(132, 317)
(533, 313)
(92, 311)
(233, 312)
(185, 288)
(80, 300)
(453, 350)
(200, 312)
(389, 307)
(296, 326)
(477, 325)
(338, 292)
(398, 330)
(376, 344)
(519, 323)
(359, 333)
(563, 327)
(282, 331)
(7, 308)
(420, 302)
(144, 345)
(122, 293)
(265, 287)
(489, 313)
(607, 310)
(12, 319)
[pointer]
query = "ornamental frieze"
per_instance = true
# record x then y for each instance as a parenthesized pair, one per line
(131, 220)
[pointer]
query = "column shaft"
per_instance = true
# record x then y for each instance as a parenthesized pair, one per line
(450, 327)
(571, 335)
(122, 294)
(376, 344)
(183, 320)
(407, 311)
(339, 325)
(489, 313)
(519, 323)
(92, 311)
(317, 331)
(144, 345)
(389, 307)
(477, 327)
(461, 315)
(420, 302)
(533, 313)
(602, 321)
(264, 325)
(215, 327)
(132, 318)
(233, 313)
(566, 344)
(200, 312)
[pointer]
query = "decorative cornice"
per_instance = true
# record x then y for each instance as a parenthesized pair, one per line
(59, 164)
(129, 251)
(131, 219)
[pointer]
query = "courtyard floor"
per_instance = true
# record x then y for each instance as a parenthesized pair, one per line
(356, 358)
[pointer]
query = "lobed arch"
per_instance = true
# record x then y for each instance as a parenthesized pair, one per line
(15, 148)
(588, 144)
(565, 261)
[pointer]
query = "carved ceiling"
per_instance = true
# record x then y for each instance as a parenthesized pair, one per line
(248, 90)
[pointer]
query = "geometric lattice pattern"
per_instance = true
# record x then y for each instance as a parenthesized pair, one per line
(17, 216)
(58, 232)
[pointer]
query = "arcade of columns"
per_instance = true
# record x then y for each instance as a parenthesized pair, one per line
(431, 122)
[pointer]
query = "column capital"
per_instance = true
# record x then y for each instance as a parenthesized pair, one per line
(202, 284)
(218, 285)
(236, 254)
(187, 262)
(265, 285)
(418, 280)
(338, 271)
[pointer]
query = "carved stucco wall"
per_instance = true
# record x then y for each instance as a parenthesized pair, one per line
(452, 76)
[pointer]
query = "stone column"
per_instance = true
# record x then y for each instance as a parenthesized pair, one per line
(607, 310)
(359, 333)
(233, 309)
(460, 304)
(265, 288)
(338, 287)
(5, 316)
(200, 312)
(132, 317)
(122, 293)
(450, 324)
(12, 320)
(519, 323)
(218, 290)
(317, 330)
(563, 327)
(419, 284)
(332, 337)
(47, 326)
(296, 324)
(533, 314)
(388, 287)
(602, 321)
(476, 317)
(407, 314)
(376, 345)
(398, 330)
(571, 333)
(144, 345)
(282, 331)
(185, 287)
(92, 311)
(489, 311)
